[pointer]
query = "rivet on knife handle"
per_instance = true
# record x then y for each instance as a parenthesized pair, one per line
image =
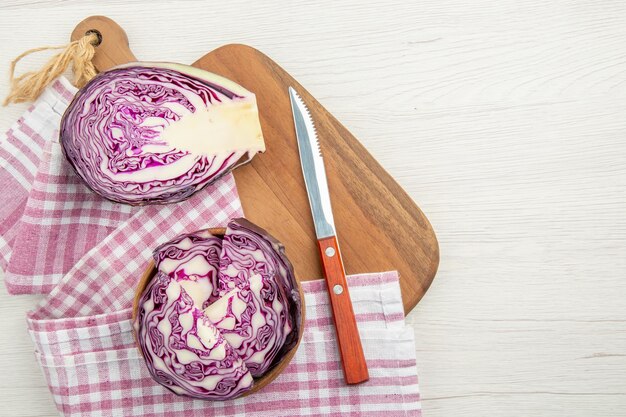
(350, 348)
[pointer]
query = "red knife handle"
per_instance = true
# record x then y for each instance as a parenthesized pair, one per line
(350, 348)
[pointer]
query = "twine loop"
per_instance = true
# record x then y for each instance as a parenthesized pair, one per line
(28, 86)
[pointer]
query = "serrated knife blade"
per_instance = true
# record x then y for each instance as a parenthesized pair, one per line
(312, 167)
(350, 348)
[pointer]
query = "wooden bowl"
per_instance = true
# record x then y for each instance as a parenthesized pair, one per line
(269, 376)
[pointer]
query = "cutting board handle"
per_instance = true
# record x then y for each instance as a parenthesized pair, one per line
(113, 48)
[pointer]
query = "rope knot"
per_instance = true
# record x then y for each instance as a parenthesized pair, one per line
(79, 53)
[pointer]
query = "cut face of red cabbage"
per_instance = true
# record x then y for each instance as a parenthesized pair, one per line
(183, 350)
(249, 250)
(254, 319)
(235, 309)
(193, 260)
(155, 133)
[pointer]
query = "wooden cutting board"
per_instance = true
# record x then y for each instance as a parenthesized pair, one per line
(379, 227)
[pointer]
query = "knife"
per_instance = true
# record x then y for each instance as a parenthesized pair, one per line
(350, 348)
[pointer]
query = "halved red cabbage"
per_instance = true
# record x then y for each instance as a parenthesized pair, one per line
(187, 322)
(183, 350)
(155, 133)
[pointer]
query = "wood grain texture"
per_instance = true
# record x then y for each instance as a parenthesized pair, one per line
(348, 339)
(505, 121)
(378, 224)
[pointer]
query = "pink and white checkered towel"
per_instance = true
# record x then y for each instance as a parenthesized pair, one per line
(88, 255)
(93, 367)
(52, 212)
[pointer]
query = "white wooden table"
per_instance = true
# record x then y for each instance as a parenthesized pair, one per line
(505, 121)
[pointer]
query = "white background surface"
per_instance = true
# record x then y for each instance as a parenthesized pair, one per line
(505, 121)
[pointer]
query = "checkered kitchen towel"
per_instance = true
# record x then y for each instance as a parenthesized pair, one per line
(92, 255)
(93, 367)
(52, 212)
